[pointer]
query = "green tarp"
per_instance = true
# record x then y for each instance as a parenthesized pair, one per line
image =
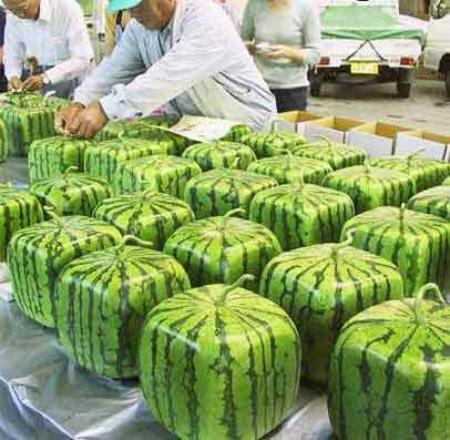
(364, 23)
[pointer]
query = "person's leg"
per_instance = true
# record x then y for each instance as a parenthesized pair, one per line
(291, 99)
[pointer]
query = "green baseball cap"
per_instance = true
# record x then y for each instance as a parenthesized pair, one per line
(118, 5)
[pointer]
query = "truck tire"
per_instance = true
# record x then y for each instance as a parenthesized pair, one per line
(316, 81)
(404, 81)
(404, 90)
(447, 83)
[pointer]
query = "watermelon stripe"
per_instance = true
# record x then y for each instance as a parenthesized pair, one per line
(266, 380)
(419, 245)
(321, 287)
(302, 215)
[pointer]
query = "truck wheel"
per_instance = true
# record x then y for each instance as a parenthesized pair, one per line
(447, 83)
(316, 81)
(404, 82)
(404, 90)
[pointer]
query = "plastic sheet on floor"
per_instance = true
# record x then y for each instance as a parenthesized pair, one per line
(43, 395)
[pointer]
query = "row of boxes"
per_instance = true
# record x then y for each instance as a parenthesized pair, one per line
(376, 138)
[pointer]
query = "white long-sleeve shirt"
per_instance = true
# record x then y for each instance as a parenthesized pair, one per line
(57, 38)
(197, 65)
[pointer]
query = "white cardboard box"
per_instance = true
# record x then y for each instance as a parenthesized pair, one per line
(377, 139)
(296, 121)
(333, 128)
(436, 146)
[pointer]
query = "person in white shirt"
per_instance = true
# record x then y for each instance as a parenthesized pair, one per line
(52, 33)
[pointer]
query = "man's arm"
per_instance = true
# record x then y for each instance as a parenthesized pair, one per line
(124, 64)
(14, 49)
(81, 53)
(200, 54)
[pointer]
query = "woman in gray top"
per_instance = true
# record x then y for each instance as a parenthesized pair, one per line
(284, 37)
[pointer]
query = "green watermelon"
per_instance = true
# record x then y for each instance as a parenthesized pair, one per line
(71, 193)
(220, 154)
(434, 201)
(102, 300)
(150, 215)
(290, 169)
(321, 287)
(37, 255)
(302, 215)
(29, 121)
(18, 210)
(133, 128)
(218, 191)
(219, 362)
(166, 174)
(150, 129)
(22, 99)
(3, 142)
(418, 244)
(426, 173)
(51, 157)
(103, 159)
(271, 144)
(371, 187)
(237, 133)
(389, 373)
(222, 249)
(337, 155)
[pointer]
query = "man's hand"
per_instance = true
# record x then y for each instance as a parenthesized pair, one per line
(290, 53)
(33, 83)
(15, 83)
(88, 122)
(64, 118)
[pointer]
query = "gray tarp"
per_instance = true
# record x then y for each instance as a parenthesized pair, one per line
(44, 396)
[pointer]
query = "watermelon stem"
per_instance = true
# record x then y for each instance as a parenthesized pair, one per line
(347, 242)
(53, 215)
(367, 167)
(128, 238)
(413, 155)
(239, 283)
(326, 140)
(423, 291)
(146, 194)
(70, 169)
(235, 164)
(230, 214)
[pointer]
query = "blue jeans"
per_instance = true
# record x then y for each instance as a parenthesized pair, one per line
(291, 99)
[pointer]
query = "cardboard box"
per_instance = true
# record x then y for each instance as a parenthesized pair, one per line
(377, 139)
(436, 146)
(333, 128)
(295, 122)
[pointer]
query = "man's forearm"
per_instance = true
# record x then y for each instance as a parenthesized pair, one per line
(68, 70)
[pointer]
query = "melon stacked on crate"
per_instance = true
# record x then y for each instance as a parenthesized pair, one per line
(161, 279)
(28, 117)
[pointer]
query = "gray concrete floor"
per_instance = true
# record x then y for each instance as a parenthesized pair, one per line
(427, 109)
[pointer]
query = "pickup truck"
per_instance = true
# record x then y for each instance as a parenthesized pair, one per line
(437, 50)
(367, 39)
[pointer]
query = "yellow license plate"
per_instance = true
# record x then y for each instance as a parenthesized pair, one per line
(360, 68)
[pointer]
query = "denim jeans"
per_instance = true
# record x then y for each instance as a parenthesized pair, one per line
(291, 99)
